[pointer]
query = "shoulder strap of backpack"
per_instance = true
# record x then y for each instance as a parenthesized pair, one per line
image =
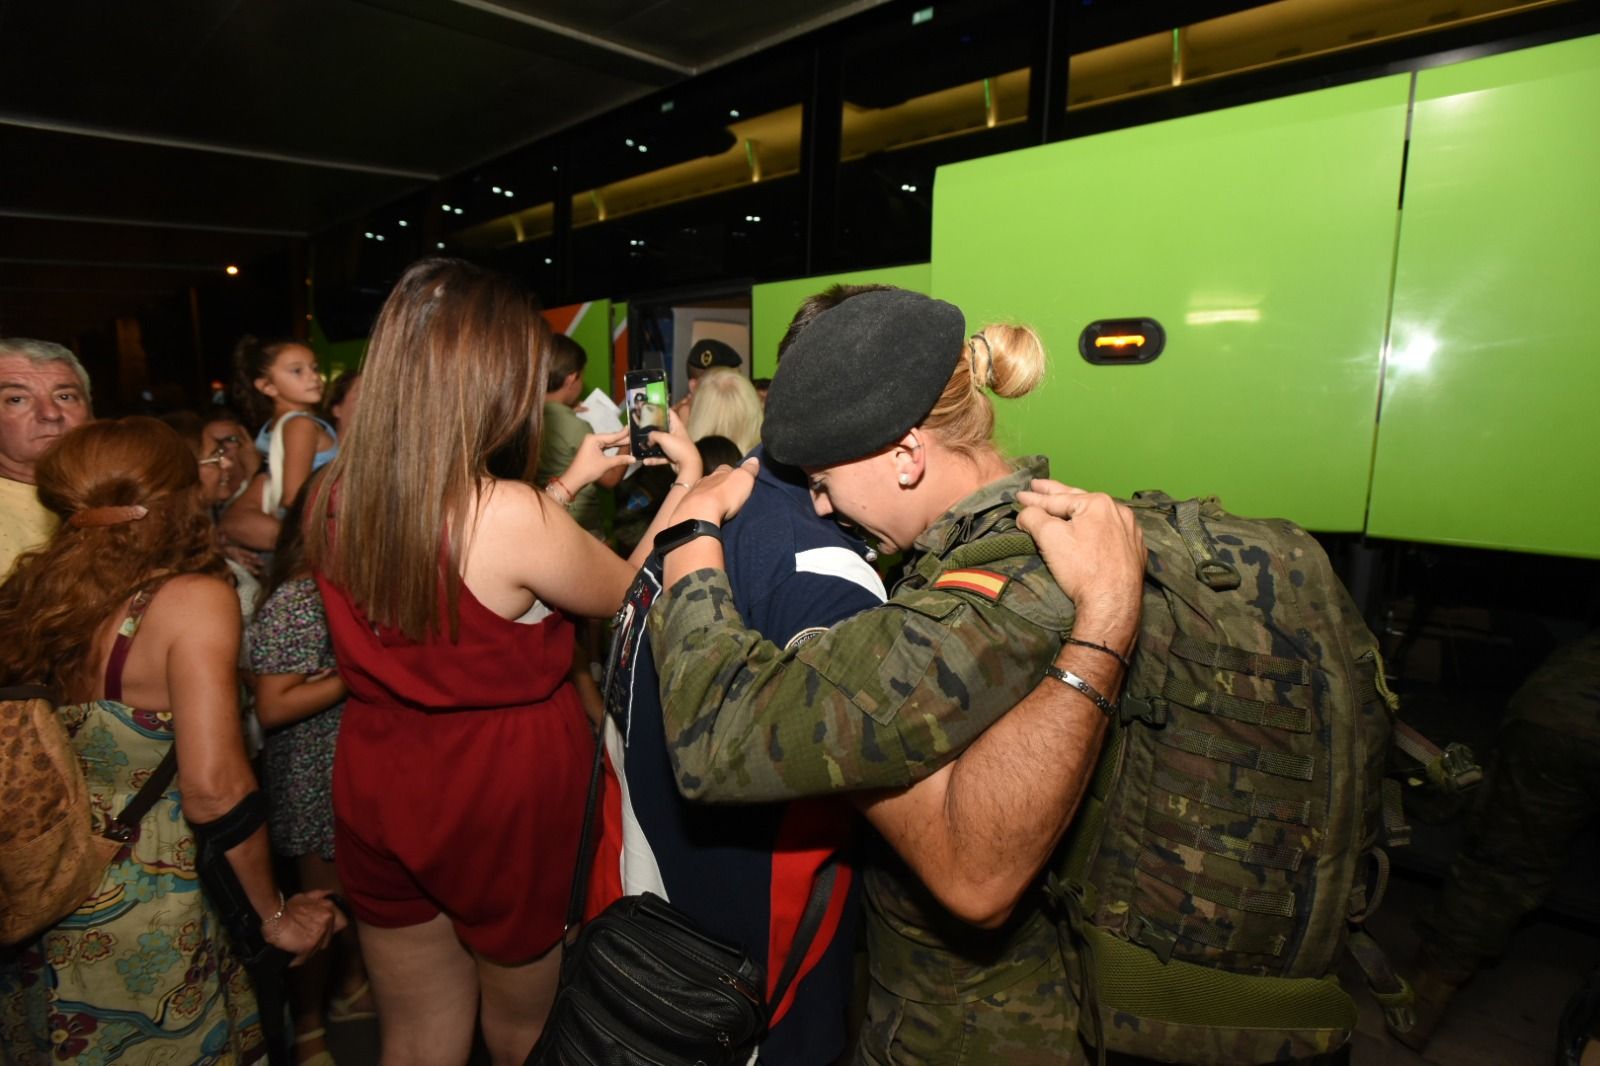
(990, 549)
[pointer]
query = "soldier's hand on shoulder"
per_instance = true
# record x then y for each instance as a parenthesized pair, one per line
(1092, 545)
(718, 496)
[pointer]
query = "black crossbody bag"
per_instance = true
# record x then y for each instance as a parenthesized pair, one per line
(641, 985)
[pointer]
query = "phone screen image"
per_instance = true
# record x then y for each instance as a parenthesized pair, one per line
(646, 401)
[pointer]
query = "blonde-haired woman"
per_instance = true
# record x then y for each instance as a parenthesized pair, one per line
(883, 402)
(464, 751)
(726, 405)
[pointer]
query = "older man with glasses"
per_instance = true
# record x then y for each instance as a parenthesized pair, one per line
(44, 393)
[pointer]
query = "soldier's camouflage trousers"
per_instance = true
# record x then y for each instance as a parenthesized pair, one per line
(1544, 785)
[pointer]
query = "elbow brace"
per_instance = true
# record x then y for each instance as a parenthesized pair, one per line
(213, 840)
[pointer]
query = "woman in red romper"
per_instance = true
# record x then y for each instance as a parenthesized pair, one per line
(464, 751)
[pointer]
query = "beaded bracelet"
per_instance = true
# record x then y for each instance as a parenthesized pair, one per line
(558, 492)
(1074, 681)
(283, 905)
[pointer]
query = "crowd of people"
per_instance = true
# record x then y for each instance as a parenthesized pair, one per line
(388, 596)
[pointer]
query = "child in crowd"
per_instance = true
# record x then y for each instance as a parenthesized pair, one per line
(279, 388)
(299, 701)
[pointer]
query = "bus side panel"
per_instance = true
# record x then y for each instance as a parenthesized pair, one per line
(1261, 238)
(1490, 431)
(772, 305)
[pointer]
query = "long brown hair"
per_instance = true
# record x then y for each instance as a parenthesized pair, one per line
(60, 595)
(454, 373)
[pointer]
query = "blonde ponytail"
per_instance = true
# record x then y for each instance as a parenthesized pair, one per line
(1004, 359)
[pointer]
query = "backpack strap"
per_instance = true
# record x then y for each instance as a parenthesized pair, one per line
(124, 643)
(1208, 566)
(990, 549)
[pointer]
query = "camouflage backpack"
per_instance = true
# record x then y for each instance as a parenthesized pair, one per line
(1227, 849)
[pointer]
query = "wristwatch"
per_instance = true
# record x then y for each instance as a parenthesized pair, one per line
(676, 536)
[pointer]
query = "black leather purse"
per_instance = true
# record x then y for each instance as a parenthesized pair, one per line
(641, 985)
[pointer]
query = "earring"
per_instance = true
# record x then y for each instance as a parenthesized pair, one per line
(905, 479)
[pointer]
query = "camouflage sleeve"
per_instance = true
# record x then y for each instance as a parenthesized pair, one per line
(881, 700)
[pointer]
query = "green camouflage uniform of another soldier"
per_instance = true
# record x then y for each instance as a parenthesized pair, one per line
(1543, 788)
(881, 701)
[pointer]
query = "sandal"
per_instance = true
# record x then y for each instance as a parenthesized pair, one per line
(344, 1009)
(321, 1058)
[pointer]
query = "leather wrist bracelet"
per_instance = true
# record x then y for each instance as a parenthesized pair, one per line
(1126, 665)
(1074, 681)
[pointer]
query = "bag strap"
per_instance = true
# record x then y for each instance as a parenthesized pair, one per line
(27, 692)
(806, 932)
(126, 824)
(587, 842)
(810, 919)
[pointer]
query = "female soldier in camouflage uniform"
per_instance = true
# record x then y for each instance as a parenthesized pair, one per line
(882, 401)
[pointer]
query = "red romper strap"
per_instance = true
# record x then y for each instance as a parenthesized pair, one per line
(125, 634)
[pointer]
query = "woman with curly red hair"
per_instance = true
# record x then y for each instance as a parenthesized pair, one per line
(127, 615)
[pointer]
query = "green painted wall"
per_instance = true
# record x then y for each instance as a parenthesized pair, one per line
(1261, 237)
(593, 332)
(772, 305)
(1490, 433)
(334, 356)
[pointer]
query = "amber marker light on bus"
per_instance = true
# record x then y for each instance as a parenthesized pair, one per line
(1122, 341)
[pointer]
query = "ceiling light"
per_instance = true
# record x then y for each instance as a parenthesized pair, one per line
(458, 210)
(495, 190)
(369, 235)
(733, 113)
(642, 148)
(446, 207)
(509, 193)
(441, 244)
(548, 260)
(403, 223)
(629, 142)
(380, 236)
(231, 270)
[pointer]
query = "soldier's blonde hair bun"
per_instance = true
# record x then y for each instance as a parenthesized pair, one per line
(1007, 360)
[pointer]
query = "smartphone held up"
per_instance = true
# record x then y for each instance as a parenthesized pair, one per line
(645, 397)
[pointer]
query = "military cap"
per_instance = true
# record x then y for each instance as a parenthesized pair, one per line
(709, 354)
(860, 375)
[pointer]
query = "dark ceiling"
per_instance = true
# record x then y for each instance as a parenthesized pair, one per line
(147, 146)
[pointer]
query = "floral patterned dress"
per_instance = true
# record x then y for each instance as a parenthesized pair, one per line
(142, 972)
(290, 636)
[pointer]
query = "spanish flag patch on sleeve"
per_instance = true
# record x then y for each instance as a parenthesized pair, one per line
(985, 583)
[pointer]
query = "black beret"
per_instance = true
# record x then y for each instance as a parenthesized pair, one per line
(707, 354)
(860, 375)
